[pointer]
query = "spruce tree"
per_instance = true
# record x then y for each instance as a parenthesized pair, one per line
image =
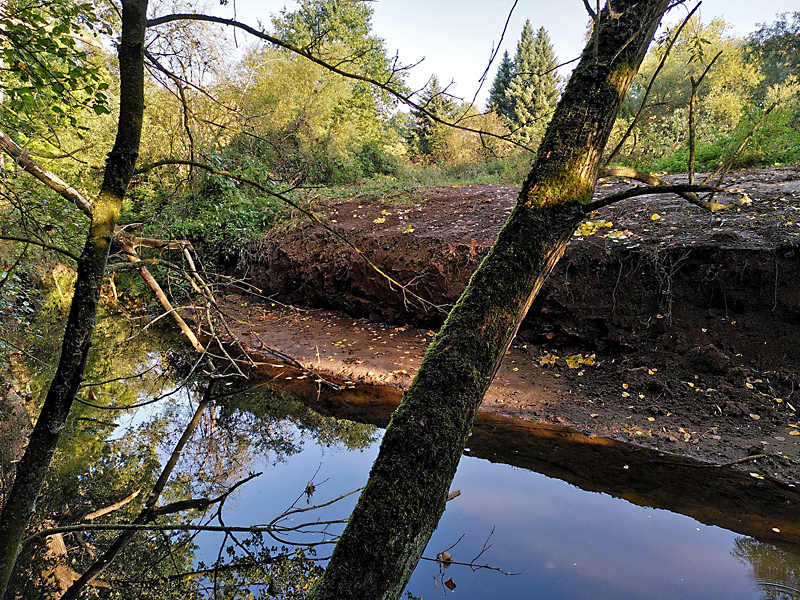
(439, 104)
(499, 99)
(534, 89)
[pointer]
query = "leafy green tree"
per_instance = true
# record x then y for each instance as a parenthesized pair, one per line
(340, 32)
(534, 89)
(499, 99)
(777, 47)
(722, 98)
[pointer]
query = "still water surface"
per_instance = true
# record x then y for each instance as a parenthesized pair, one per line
(564, 537)
(563, 541)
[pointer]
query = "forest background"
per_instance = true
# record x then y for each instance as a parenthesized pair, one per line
(269, 116)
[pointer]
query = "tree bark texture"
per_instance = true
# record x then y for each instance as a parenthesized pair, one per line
(409, 482)
(34, 465)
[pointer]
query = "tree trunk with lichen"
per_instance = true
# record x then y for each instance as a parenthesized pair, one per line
(409, 482)
(33, 467)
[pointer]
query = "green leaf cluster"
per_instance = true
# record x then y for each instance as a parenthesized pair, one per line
(52, 70)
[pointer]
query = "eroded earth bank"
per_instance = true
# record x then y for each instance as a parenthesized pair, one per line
(664, 324)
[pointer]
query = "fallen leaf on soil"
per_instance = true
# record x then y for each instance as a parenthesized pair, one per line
(754, 417)
(549, 359)
(593, 415)
(756, 475)
(379, 220)
(776, 530)
(794, 432)
(655, 217)
(651, 419)
(625, 395)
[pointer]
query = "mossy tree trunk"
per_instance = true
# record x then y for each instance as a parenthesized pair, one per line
(409, 482)
(33, 467)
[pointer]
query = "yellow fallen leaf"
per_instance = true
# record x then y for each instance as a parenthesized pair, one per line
(756, 475)
(379, 220)
(593, 415)
(651, 419)
(778, 400)
(794, 432)
(625, 386)
(655, 217)
(776, 530)
(625, 395)
(400, 372)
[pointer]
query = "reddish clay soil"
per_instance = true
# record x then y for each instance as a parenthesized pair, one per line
(664, 324)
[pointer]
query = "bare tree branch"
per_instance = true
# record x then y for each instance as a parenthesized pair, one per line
(53, 247)
(647, 190)
(308, 213)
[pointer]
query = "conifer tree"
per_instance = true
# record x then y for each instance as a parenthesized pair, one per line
(439, 104)
(499, 99)
(534, 89)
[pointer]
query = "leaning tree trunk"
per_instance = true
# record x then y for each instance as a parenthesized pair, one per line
(34, 465)
(409, 482)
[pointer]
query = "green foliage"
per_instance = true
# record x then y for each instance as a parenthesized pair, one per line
(50, 73)
(725, 108)
(777, 141)
(777, 48)
(535, 87)
(428, 133)
(499, 99)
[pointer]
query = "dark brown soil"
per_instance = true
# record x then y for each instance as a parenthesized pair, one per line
(663, 324)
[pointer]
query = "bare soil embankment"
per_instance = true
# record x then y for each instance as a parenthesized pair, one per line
(663, 324)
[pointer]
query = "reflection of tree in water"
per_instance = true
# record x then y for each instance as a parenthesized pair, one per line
(776, 571)
(97, 465)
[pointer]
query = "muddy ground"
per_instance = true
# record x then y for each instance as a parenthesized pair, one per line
(664, 324)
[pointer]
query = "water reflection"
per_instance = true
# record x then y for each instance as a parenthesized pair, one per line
(590, 526)
(775, 570)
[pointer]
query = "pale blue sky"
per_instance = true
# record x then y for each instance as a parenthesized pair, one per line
(456, 37)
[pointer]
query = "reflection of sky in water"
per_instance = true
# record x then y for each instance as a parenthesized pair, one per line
(565, 542)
